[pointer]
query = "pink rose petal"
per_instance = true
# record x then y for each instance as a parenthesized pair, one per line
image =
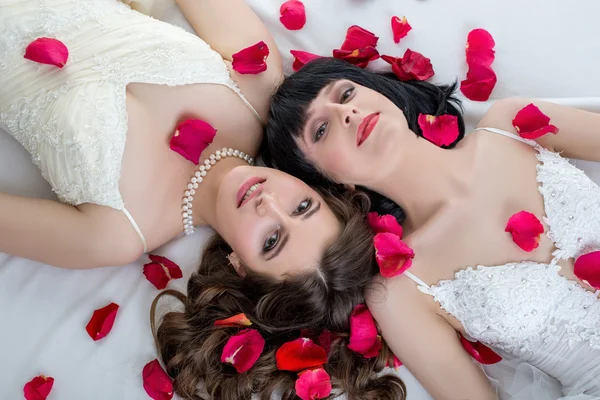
(191, 138)
(313, 384)
(392, 254)
(157, 383)
(243, 349)
(301, 58)
(531, 123)
(47, 51)
(364, 338)
(384, 223)
(587, 268)
(525, 229)
(38, 388)
(480, 352)
(102, 321)
(293, 15)
(400, 28)
(251, 60)
(441, 130)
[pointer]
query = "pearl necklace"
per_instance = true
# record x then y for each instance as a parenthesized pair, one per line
(188, 197)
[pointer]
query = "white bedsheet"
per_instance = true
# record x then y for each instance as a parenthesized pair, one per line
(546, 49)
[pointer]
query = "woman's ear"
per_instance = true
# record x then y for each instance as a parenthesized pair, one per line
(237, 264)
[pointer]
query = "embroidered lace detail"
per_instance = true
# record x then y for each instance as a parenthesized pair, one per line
(73, 121)
(519, 307)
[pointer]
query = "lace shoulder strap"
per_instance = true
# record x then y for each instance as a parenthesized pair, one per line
(508, 134)
(417, 280)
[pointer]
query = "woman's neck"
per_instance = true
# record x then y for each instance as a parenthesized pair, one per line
(426, 179)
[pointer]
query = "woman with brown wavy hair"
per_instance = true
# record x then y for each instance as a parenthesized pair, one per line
(319, 298)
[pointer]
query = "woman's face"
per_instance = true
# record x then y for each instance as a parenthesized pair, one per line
(275, 224)
(352, 132)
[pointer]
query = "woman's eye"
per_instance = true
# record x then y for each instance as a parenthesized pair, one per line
(346, 94)
(271, 242)
(303, 207)
(320, 132)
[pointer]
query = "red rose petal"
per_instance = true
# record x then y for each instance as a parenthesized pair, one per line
(243, 349)
(161, 270)
(102, 321)
(363, 332)
(480, 48)
(384, 223)
(359, 38)
(531, 123)
(157, 383)
(479, 84)
(38, 388)
(293, 15)
(587, 268)
(441, 130)
(236, 320)
(300, 354)
(400, 28)
(412, 66)
(480, 352)
(525, 229)
(191, 138)
(47, 51)
(358, 57)
(301, 58)
(392, 254)
(313, 384)
(251, 60)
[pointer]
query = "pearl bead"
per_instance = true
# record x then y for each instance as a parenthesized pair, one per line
(206, 162)
(190, 198)
(218, 157)
(224, 150)
(197, 174)
(189, 186)
(208, 167)
(200, 180)
(242, 154)
(184, 215)
(212, 157)
(192, 192)
(213, 162)
(185, 208)
(185, 200)
(202, 168)
(217, 153)
(195, 186)
(187, 193)
(194, 180)
(203, 173)
(190, 212)
(236, 153)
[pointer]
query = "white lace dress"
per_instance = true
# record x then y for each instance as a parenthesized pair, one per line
(548, 325)
(73, 121)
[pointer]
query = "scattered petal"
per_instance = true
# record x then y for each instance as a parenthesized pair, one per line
(400, 28)
(293, 15)
(243, 349)
(392, 254)
(313, 384)
(480, 352)
(358, 47)
(236, 320)
(301, 58)
(157, 383)
(102, 321)
(191, 138)
(363, 332)
(300, 354)
(413, 66)
(251, 60)
(525, 229)
(479, 84)
(47, 51)
(531, 123)
(384, 223)
(480, 48)
(324, 340)
(441, 130)
(587, 268)
(38, 388)
(161, 270)
(396, 363)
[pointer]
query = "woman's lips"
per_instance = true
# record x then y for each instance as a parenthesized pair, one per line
(366, 127)
(245, 187)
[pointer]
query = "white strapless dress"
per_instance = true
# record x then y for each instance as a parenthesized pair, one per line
(546, 326)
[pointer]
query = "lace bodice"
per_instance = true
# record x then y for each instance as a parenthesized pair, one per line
(528, 309)
(73, 121)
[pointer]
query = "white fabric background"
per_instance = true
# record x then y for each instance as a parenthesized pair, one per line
(545, 49)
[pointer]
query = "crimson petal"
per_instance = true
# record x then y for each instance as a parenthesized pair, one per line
(191, 138)
(300, 354)
(359, 38)
(47, 51)
(479, 84)
(587, 268)
(531, 123)
(412, 66)
(358, 57)
(251, 60)
(293, 15)
(525, 229)
(384, 223)
(400, 28)
(157, 383)
(243, 349)
(363, 332)
(301, 58)
(392, 254)
(161, 271)
(313, 384)
(38, 388)
(102, 321)
(480, 352)
(480, 48)
(236, 320)
(441, 130)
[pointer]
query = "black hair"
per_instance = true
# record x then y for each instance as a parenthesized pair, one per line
(289, 106)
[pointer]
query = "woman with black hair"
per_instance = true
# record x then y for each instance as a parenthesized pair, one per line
(335, 125)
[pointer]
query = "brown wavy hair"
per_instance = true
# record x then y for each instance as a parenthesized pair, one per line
(190, 345)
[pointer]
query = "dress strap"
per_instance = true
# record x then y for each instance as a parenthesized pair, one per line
(417, 280)
(137, 228)
(508, 134)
